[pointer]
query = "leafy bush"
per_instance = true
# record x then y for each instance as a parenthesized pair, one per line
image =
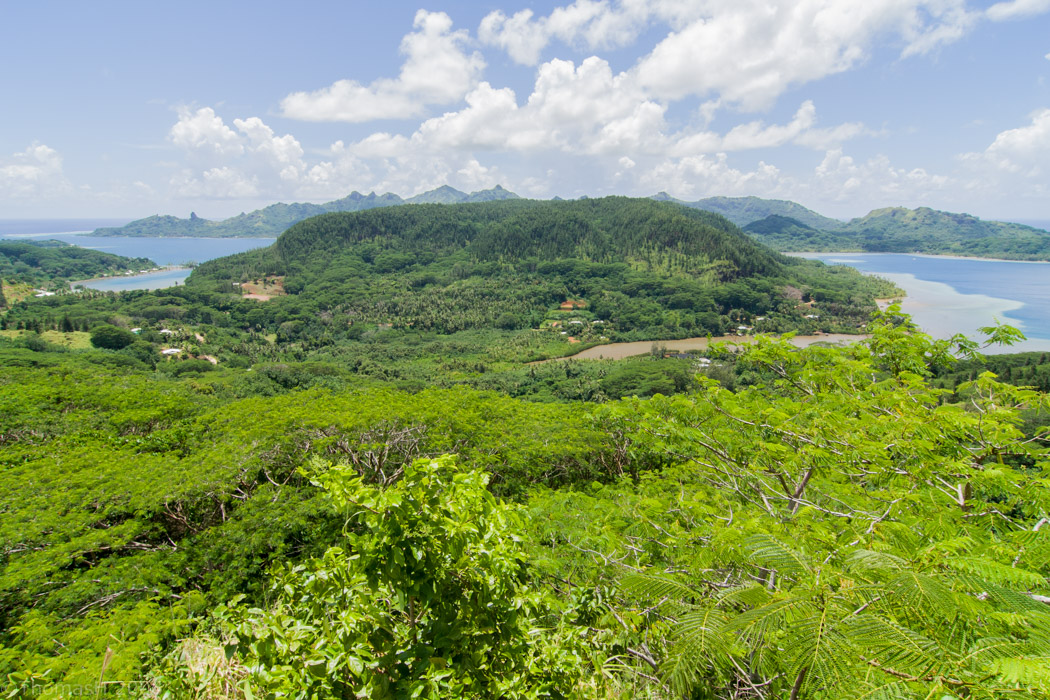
(111, 338)
(425, 596)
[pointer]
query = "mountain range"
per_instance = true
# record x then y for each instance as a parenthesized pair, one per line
(273, 220)
(783, 225)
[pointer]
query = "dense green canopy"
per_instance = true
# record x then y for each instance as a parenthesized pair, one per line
(340, 492)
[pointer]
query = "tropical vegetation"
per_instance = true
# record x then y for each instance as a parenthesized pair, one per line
(45, 263)
(211, 495)
(899, 230)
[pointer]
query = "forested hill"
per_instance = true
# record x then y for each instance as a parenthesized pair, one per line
(782, 225)
(642, 270)
(504, 238)
(43, 262)
(274, 219)
(284, 478)
(899, 230)
(610, 230)
(744, 210)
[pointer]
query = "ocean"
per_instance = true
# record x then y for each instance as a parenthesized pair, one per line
(162, 251)
(949, 295)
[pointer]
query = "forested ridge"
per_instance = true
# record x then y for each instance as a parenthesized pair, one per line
(47, 262)
(337, 483)
(783, 225)
(899, 230)
(274, 219)
(650, 270)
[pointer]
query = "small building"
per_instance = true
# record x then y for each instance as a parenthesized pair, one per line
(171, 351)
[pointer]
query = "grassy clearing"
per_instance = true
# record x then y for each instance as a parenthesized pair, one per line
(75, 340)
(14, 292)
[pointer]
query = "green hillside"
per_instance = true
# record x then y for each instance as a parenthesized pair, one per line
(644, 269)
(790, 235)
(332, 469)
(899, 230)
(925, 230)
(48, 262)
(783, 225)
(745, 210)
(429, 295)
(832, 520)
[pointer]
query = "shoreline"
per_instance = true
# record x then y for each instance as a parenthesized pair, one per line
(942, 310)
(165, 268)
(16, 236)
(170, 238)
(946, 256)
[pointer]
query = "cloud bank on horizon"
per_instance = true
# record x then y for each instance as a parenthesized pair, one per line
(696, 98)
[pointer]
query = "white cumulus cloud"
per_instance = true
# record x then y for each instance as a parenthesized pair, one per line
(747, 52)
(205, 133)
(589, 110)
(246, 161)
(1016, 9)
(1023, 150)
(801, 130)
(437, 71)
(839, 178)
(594, 24)
(693, 177)
(583, 122)
(36, 172)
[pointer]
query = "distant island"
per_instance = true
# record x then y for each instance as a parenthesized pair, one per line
(50, 264)
(273, 220)
(783, 225)
(899, 230)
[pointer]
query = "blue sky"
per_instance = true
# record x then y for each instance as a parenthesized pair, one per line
(126, 109)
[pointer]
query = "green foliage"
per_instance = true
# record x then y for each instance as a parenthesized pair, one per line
(832, 531)
(425, 596)
(742, 211)
(867, 521)
(898, 230)
(647, 270)
(44, 262)
(111, 337)
(124, 491)
(442, 295)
